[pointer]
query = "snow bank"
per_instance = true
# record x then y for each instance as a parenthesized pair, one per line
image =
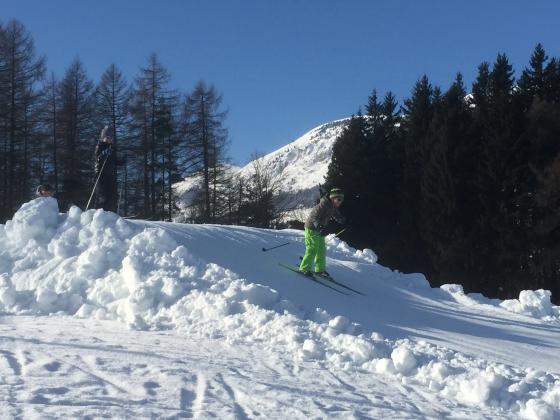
(35, 222)
(532, 303)
(97, 265)
(535, 303)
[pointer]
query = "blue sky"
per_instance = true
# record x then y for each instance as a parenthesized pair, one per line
(287, 66)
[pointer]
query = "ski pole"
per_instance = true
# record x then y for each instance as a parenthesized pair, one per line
(274, 247)
(96, 181)
(336, 234)
(120, 196)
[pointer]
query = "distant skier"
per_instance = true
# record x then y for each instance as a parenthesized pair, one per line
(106, 172)
(316, 230)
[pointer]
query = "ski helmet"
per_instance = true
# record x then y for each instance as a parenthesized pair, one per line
(336, 193)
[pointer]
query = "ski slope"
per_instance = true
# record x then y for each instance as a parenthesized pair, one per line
(107, 317)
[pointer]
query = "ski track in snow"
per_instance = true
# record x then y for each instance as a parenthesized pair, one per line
(71, 368)
(184, 321)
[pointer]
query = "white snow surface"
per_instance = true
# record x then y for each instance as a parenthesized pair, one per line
(103, 316)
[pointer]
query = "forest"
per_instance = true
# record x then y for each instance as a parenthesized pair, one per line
(461, 184)
(49, 128)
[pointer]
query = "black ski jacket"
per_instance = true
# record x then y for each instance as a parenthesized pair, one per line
(104, 154)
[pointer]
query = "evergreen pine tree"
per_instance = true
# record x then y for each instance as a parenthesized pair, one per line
(501, 178)
(552, 80)
(347, 170)
(443, 175)
(379, 195)
(544, 131)
(418, 114)
(532, 80)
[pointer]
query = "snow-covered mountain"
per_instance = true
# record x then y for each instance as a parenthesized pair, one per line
(106, 317)
(299, 167)
(302, 164)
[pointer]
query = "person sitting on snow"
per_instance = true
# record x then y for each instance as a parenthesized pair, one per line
(316, 230)
(44, 190)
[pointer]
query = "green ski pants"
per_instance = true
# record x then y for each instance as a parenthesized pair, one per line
(315, 251)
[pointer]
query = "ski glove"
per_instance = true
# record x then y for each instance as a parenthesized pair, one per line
(106, 152)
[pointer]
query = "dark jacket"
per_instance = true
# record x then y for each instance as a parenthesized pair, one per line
(105, 170)
(104, 154)
(321, 214)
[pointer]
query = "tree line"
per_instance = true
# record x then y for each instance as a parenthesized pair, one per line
(464, 187)
(49, 127)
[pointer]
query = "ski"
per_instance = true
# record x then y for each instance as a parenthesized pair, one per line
(312, 278)
(329, 278)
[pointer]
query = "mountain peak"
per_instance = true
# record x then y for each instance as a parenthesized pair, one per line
(298, 167)
(302, 164)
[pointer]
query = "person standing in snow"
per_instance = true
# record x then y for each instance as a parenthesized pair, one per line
(105, 172)
(316, 230)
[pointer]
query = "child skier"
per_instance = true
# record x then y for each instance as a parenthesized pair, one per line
(316, 230)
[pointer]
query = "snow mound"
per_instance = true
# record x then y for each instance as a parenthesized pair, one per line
(35, 221)
(532, 303)
(94, 264)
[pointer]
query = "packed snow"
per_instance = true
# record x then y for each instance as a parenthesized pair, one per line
(105, 316)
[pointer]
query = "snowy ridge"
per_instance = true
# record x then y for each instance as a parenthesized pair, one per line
(302, 164)
(213, 283)
(300, 167)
